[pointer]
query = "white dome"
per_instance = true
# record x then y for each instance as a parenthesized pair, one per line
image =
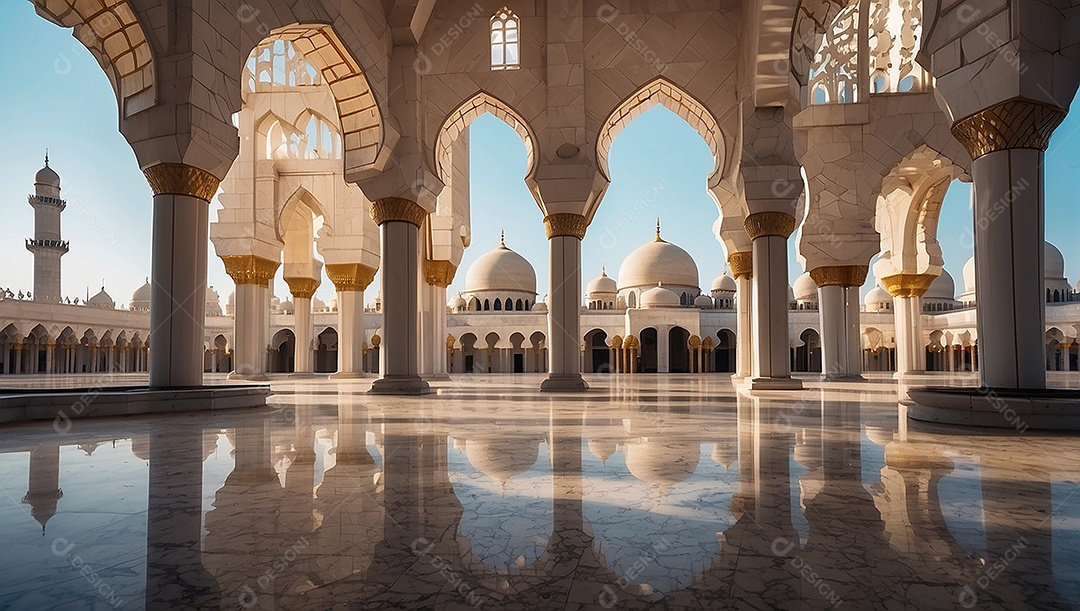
(102, 300)
(969, 276)
(1053, 262)
(724, 282)
(876, 298)
(601, 284)
(140, 299)
(457, 302)
(805, 289)
(288, 306)
(703, 301)
(46, 176)
(317, 304)
(659, 297)
(501, 269)
(662, 464)
(503, 457)
(942, 288)
(658, 262)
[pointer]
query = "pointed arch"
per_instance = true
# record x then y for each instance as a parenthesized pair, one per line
(111, 31)
(461, 117)
(359, 118)
(293, 209)
(669, 95)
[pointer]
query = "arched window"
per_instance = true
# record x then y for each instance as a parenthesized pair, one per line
(487, 304)
(526, 305)
(518, 305)
(504, 40)
(508, 305)
(498, 305)
(476, 304)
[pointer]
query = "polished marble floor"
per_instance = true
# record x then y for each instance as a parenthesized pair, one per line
(673, 492)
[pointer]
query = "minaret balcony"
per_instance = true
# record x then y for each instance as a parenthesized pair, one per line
(45, 200)
(34, 245)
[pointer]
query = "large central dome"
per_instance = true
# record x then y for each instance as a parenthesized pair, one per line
(658, 262)
(501, 269)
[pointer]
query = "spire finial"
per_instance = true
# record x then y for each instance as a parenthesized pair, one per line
(502, 238)
(46, 157)
(658, 238)
(603, 270)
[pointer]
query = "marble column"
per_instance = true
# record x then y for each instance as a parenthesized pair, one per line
(565, 232)
(50, 349)
(178, 272)
(907, 291)
(303, 289)
(663, 348)
(399, 222)
(1007, 143)
(742, 268)
(350, 280)
(772, 367)
(838, 310)
(251, 275)
(438, 274)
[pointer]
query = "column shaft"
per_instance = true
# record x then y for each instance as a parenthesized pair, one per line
(400, 356)
(302, 330)
(564, 311)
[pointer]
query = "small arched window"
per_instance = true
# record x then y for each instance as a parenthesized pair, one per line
(518, 306)
(526, 305)
(508, 305)
(487, 305)
(498, 305)
(504, 40)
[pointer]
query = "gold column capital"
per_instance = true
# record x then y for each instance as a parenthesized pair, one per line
(1016, 123)
(565, 224)
(908, 285)
(181, 179)
(397, 209)
(439, 272)
(350, 276)
(770, 223)
(302, 288)
(840, 275)
(249, 269)
(741, 264)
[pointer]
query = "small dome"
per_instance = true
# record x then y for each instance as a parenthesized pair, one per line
(662, 464)
(724, 282)
(876, 298)
(332, 304)
(140, 299)
(1053, 262)
(655, 262)
(317, 305)
(601, 284)
(703, 301)
(503, 457)
(457, 302)
(969, 276)
(287, 306)
(659, 297)
(602, 448)
(805, 289)
(102, 300)
(46, 176)
(942, 288)
(501, 269)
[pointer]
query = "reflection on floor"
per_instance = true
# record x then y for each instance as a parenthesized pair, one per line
(648, 491)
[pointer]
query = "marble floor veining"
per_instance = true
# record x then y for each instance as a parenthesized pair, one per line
(670, 492)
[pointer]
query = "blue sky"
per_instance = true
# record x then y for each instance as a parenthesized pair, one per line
(59, 98)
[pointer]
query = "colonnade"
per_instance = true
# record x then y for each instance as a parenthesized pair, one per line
(54, 358)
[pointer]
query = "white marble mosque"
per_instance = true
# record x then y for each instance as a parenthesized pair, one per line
(628, 437)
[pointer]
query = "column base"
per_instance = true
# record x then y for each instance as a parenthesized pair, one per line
(400, 385)
(774, 384)
(842, 377)
(259, 377)
(435, 377)
(1003, 408)
(564, 382)
(346, 375)
(302, 374)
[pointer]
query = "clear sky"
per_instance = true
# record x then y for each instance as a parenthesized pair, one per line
(58, 97)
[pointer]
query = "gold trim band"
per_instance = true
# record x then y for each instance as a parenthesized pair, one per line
(1018, 123)
(770, 223)
(181, 179)
(397, 209)
(840, 275)
(302, 288)
(741, 263)
(565, 224)
(249, 269)
(350, 276)
(439, 272)
(908, 285)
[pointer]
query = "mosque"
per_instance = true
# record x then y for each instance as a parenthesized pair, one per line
(640, 439)
(655, 318)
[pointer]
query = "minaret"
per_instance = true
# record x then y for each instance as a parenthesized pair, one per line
(44, 489)
(46, 243)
